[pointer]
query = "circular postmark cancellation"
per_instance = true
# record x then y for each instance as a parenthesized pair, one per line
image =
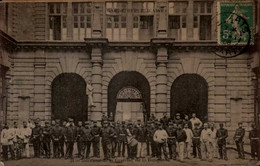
(234, 27)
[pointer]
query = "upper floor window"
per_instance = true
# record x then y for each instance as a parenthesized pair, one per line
(116, 20)
(57, 21)
(202, 20)
(178, 20)
(143, 20)
(82, 20)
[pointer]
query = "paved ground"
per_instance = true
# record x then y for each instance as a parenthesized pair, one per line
(194, 162)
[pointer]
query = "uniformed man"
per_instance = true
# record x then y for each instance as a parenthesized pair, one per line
(56, 136)
(152, 118)
(46, 139)
(35, 139)
(86, 139)
(95, 131)
(196, 140)
(206, 144)
(25, 135)
(188, 141)
(113, 138)
(16, 141)
(131, 134)
(141, 138)
(178, 119)
(238, 138)
(221, 135)
(121, 139)
(62, 139)
(148, 144)
(7, 142)
(106, 134)
(150, 134)
(254, 141)
(187, 121)
(172, 133)
(78, 139)
(213, 140)
(181, 138)
(160, 137)
(103, 118)
(164, 120)
(70, 138)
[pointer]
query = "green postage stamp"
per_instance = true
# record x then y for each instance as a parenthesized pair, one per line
(235, 23)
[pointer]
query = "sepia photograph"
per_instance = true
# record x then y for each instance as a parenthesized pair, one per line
(129, 82)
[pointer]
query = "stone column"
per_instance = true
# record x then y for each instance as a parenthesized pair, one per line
(161, 81)
(97, 43)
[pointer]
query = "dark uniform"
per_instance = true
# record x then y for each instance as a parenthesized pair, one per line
(62, 140)
(172, 133)
(121, 139)
(86, 139)
(221, 135)
(103, 118)
(56, 135)
(79, 140)
(165, 121)
(113, 139)
(150, 132)
(95, 131)
(196, 141)
(254, 141)
(35, 139)
(238, 137)
(106, 134)
(70, 137)
(132, 150)
(46, 139)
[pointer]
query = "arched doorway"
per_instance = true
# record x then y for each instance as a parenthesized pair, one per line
(129, 92)
(189, 93)
(69, 97)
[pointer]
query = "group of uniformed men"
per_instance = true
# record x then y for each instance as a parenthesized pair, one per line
(137, 139)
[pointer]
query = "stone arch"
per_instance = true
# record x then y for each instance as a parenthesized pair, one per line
(69, 97)
(127, 79)
(189, 93)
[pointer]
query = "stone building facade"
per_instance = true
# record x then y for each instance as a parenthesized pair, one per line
(142, 57)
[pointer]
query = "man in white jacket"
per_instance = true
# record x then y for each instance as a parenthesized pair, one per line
(206, 143)
(25, 134)
(188, 141)
(160, 137)
(7, 142)
(195, 120)
(214, 140)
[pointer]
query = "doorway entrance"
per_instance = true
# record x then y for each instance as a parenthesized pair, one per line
(129, 96)
(129, 105)
(69, 97)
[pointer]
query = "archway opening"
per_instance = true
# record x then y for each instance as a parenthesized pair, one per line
(129, 93)
(69, 97)
(189, 93)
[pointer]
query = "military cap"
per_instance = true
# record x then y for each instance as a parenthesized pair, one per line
(87, 123)
(105, 122)
(170, 123)
(130, 123)
(178, 114)
(47, 122)
(94, 121)
(240, 123)
(148, 122)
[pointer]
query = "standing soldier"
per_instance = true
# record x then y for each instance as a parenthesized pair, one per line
(148, 144)
(150, 133)
(187, 121)
(206, 144)
(56, 135)
(95, 131)
(196, 140)
(121, 139)
(141, 138)
(238, 137)
(221, 135)
(16, 140)
(178, 119)
(172, 133)
(106, 134)
(131, 141)
(214, 140)
(70, 137)
(103, 118)
(254, 141)
(35, 139)
(188, 141)
(195, 120)
(26, 133)
(160, 137)
(62, 139)
(78, 140)
(113, 138)
(164, 120)
(46, 139)
(181, 138)
(7, 142)
(86, 139)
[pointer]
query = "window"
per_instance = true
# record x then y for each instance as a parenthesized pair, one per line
(178, 20)
(143, 17)
(116, 21)
(82, 20)
(57, 21)
(202, 20)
